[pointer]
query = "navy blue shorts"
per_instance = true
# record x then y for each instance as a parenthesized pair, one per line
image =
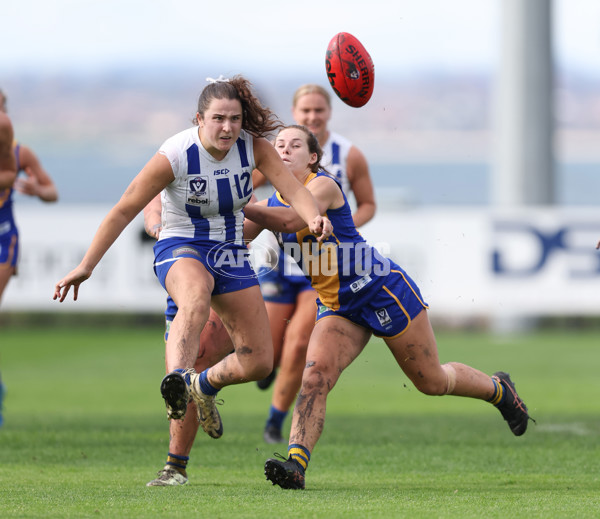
(276, 287)
(9, 249)
(389, 311)
(228, 263)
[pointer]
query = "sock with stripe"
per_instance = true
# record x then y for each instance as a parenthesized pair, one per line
(498, 396)
(179, 463)
(299, 454)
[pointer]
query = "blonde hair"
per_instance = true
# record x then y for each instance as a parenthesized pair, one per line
(311, 88)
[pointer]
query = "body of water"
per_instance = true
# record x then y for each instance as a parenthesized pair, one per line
(470, 183)
(94, 177)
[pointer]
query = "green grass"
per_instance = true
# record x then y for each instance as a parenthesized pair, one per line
(85, 429)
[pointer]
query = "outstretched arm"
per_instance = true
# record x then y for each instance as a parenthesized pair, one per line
(278, 219)
(155, 175)
(325, 192)
(271, 165)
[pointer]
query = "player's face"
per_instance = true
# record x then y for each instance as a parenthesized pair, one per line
(293, 149)
(312, 111)
(220, 126)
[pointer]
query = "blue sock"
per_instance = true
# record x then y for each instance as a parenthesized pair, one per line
(205, 386)
(186, 376)
(276, 417)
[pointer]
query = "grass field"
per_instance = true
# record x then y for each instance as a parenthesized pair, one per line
(85, 429)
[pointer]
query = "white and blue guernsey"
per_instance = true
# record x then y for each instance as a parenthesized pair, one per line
(202, 209)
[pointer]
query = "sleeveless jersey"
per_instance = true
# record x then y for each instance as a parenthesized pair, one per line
(206, 198)
(7, 221)
(335, 159)
(344, 270)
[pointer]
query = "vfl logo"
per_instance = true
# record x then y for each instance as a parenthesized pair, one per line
(197, 185)
(383, 316)
(197, 191)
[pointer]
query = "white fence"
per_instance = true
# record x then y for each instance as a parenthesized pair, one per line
(467, 262)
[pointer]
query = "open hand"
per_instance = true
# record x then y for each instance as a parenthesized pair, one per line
(74, 279)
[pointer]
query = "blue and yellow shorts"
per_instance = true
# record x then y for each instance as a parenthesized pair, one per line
(389, 310)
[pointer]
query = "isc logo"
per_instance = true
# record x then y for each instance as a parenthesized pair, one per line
(220, 171)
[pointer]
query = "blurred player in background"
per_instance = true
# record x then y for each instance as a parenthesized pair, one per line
(8, 174)
(289, 297)
(361, 293)
(16, 158)
(204, 176)
(34, 182)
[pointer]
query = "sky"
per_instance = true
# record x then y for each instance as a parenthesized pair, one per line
(402, 36)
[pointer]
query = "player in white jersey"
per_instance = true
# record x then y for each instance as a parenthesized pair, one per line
(311, 107)
(201, 261)
(288, 295)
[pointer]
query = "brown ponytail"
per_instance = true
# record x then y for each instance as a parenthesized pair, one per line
(257, 120)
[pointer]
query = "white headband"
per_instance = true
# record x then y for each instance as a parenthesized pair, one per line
(220, 79)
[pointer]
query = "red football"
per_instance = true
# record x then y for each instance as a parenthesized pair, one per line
(350, 69)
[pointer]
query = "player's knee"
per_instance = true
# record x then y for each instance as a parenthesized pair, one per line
(263, 370)
(256, 367)
(194, 310)
(315, 378)
(438, 384)
(431, 387)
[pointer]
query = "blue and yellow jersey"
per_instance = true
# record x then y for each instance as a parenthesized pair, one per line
(344, 270)
(6, 200)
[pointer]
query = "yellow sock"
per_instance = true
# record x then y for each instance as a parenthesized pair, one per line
(498, 392)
